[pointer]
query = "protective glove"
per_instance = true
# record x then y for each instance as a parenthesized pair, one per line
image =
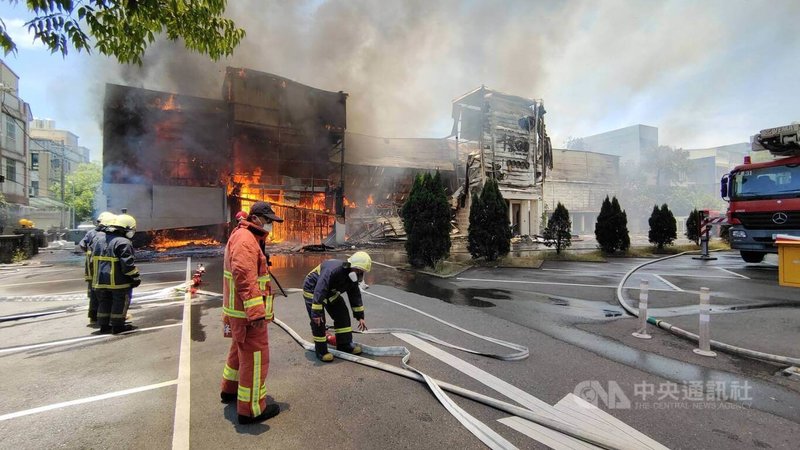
(136, 282)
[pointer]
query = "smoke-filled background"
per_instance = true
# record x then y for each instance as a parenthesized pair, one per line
(705, 73)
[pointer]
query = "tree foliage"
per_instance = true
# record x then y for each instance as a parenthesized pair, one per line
(489, 227)
(611, 228)
(80, 188)
(693, 226)
(559, 229)
(426, 218)
(124, 28)
(663, 227)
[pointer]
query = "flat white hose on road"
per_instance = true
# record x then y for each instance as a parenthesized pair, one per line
(476, 427)
(689, 335)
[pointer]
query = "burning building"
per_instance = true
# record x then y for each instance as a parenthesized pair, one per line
(185, 165)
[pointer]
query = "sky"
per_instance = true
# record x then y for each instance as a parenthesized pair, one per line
(706, 73)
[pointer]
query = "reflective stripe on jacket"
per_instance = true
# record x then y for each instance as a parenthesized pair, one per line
(86, 245)
(327, 282)
(112, 262)
(246, 293)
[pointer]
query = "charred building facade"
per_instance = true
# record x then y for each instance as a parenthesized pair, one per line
(186, 165)
(512, 148)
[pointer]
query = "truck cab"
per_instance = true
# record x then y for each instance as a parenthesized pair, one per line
(764, 198)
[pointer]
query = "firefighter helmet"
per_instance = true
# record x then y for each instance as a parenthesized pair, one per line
(125, 221)
(360, 260)
(105, 218)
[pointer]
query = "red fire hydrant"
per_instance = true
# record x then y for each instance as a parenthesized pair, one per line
(197, 278)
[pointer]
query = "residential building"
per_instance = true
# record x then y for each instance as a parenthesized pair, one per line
(55, 154)
(14, 117)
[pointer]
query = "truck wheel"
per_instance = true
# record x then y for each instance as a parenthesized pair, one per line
(752, 257)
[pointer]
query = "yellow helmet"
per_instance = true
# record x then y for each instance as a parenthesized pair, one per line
(360, 260)
(124, 221)
(105, 218)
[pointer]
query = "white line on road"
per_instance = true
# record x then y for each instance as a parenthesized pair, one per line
(181, 421)
(81, 339)
(733, 273)
(536, 282)
(80, 401)
(666, 282)
(79, 279)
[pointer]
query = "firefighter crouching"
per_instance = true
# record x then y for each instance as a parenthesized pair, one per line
(103, 220)
(247, 307)
(322, 290)
(114, 274)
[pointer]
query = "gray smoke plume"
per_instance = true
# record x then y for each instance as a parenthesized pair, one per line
(706, 73)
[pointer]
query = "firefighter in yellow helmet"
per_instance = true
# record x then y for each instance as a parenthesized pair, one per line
(323, 289)
(114, 274)
(103, 220)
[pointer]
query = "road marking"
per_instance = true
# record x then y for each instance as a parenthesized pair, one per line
(81, 339)
(181, 421)
(80, 401)
(666, 282)
(79, 279)
(384, 265)
(536, 282)
(733, 273)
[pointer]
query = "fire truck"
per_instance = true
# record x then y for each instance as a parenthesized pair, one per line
(764, 197)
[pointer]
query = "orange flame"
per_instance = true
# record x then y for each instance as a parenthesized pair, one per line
(162, 243)
(370, 200)
(170, 104)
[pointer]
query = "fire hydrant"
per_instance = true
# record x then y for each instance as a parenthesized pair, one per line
(197, 278)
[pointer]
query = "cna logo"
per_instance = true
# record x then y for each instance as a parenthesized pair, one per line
(594, 392)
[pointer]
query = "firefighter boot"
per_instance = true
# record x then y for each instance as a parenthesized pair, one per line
(321, 349)
(104, 329)
(350, 347)
(117, 329)
(271, 410)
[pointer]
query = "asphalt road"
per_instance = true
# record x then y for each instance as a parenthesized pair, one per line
(565, 313)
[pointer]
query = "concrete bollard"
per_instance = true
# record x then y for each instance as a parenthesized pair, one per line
(704, 332)
(641, 333)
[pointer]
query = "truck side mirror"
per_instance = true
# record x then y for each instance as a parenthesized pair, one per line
(723, 187)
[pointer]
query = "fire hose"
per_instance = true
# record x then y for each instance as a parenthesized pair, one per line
(488, 436)
(691, 336)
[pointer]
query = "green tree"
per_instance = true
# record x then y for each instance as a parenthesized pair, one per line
(3, 212)
(611, 228)
(489, 228)
(663, 227)
(620, 221)
(124, 28)
(80, 188)
(426, 218)
(559, 229)
(693, 226)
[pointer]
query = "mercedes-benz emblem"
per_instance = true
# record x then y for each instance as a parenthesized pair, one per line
(780, 218)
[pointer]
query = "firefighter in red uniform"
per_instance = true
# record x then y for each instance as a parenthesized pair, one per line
(104, 219)
(247, 307)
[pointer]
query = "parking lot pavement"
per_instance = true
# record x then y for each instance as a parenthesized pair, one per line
(343, 405)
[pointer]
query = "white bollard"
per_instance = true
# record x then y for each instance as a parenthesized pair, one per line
(641, 333)
(704, 333)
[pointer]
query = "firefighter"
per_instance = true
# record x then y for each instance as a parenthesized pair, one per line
(114, 274)
(322, 290)
(103, 219)
(247, 307)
